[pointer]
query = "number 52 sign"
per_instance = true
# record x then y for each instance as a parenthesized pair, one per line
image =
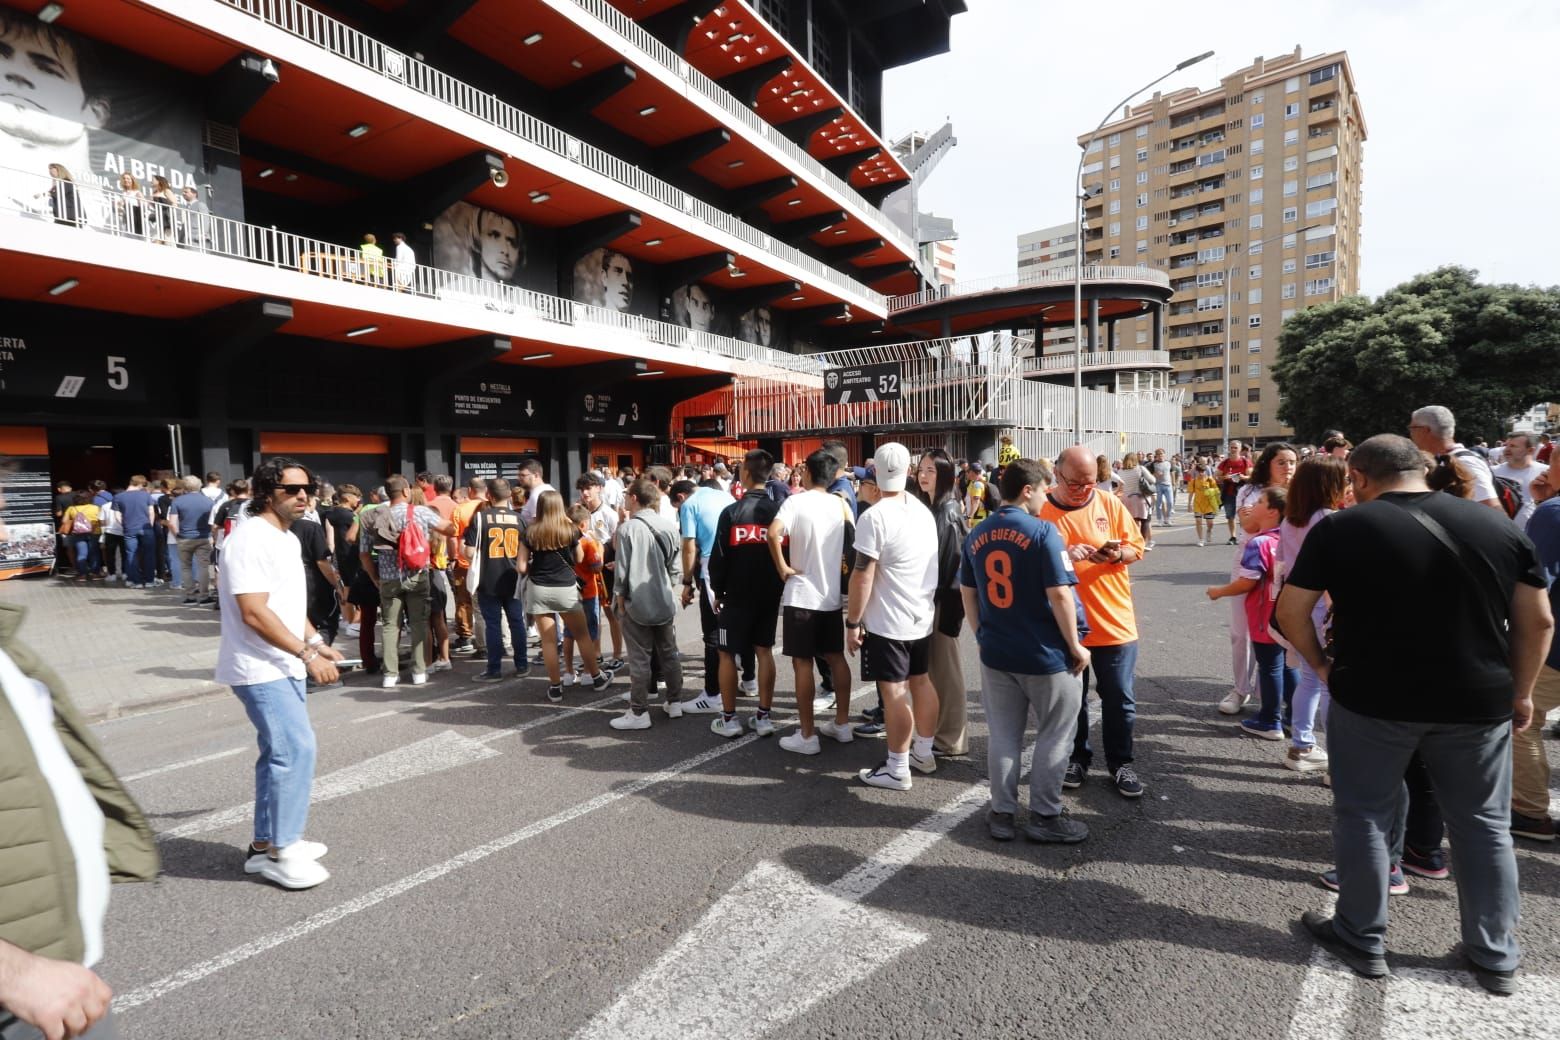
(879, 382)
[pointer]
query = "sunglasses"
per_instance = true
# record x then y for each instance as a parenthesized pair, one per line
(293, 489)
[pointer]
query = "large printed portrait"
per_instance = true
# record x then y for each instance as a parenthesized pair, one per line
(96, 112)
(694, 306)
(605, 278)
(478, 242)
(757, 326)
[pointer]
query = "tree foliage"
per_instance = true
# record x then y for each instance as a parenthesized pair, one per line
(1487, 352)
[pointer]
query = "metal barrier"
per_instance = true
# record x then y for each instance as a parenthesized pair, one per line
(1057, 276)
(635, 34)
(93, 209)
(304, 22)
(1054, 363)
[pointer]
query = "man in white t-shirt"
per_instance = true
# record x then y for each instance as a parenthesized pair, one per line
(813, 525)
(1521, 467)
(534, 482)
(891, 591)
(267, 649)
(603, 527)
(1434, 429)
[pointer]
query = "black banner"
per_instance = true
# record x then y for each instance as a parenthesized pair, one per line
(110, 370)
(704, 426)
(28, 517)
(489, 467)
(862, 383)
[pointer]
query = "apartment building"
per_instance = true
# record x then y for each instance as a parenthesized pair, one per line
(1249, 195)
(1047, 248)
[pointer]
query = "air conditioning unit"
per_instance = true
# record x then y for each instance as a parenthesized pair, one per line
(1172, 223)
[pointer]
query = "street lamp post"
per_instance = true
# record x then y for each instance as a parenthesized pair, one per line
(1229, 296)
(1079, 199)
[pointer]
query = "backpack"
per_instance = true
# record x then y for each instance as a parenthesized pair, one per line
(1508, 492)
(80, 523)
(411, 547)
(848, 555)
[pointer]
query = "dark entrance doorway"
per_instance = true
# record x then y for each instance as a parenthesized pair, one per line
(111, 454)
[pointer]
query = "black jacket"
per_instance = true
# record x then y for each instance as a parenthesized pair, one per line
(950, 551)
(740, 560)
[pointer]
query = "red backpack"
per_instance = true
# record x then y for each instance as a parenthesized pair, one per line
(412, 545)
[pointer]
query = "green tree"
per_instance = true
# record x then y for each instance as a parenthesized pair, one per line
(1487, 352)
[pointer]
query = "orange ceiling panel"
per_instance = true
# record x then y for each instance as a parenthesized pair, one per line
(565, 52)
(29, 277)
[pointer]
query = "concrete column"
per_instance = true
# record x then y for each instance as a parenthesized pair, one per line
(1111, 335)
(1159, 326)
(1094, 326)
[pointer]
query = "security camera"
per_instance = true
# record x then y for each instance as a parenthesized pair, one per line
(269, 71)
(499, 176)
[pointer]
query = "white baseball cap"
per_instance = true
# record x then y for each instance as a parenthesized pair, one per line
(892, 462)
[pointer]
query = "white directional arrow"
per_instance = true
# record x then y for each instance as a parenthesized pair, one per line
(777, 932)
(528, 409)
(432, 755)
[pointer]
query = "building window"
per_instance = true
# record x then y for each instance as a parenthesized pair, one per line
(1254, 248)
(1321, 207)
(1115, 139)
(1291, 137)
(1320, 232)
(1258, 146)
(1292, 110)
(1115, 228)
(1286, 315)
(1290, 213)
(1256, 173)
(1142, 199)
(1210, 278)
(1256, 100)
(1318, 286)
(1115, 162)
(1320, 180)
(1289, 291)
(1142, 155)
(1254, 221)
(1323, 75)
(1291, 188)
(1142, 223)
(1254, 321)
(1291, 164)
(1142, 130)
(1256, 120)
(1255, 272)
(1096, 145)
(1254, 296)
(1289, 242)
(1142, 337)
(1289, 266)
(1115, 204)
(1142, 177)
(1314, 260)
(1256, 196)
(1142, 245)
(1291, 85)
(1253, 346)
(1115, 252)
(1253, 394)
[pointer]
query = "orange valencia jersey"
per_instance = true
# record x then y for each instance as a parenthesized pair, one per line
(1105, 588)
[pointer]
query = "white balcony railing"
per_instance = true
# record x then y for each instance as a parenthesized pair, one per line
(304, 22)
(1053, 276)
(635, 34)
(95, 210)
(1099, 359)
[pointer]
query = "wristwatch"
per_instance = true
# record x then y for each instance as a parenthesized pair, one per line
(852, 624)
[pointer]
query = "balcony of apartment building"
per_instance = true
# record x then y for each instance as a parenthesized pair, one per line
(343, 110)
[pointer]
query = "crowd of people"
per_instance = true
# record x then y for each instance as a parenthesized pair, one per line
(1394, 597)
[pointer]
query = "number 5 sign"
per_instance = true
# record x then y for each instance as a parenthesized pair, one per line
(863, 383)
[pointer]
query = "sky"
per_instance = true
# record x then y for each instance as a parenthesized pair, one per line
(1440, 83)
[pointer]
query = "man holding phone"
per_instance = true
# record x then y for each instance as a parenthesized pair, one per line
(1102, 541)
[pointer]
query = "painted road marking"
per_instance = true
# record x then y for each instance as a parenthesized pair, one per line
(196, 972)
(777, 933)
(186, 764)
(1431, 1003)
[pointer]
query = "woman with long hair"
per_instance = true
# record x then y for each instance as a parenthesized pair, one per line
(63, 199)
(1274, 467)
(1138, 495)
(129, 207)
(549, 552)
(1105, 479)
(937, 487)
(1316, 490)
(162, 206)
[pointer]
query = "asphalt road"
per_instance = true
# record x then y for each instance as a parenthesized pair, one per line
(504, 867)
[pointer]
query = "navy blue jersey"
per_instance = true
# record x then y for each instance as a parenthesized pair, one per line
(1010, 559)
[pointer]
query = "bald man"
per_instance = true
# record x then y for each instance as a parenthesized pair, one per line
(1103, 541)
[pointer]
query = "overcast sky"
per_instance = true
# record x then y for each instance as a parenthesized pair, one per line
(1443, 85)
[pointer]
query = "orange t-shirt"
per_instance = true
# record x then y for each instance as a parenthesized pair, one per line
(595, 586)
(464, 511)
(1105, 588)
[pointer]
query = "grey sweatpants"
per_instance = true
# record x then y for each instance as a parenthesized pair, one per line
(643, 640)
(1009, 698)
(1470, 767)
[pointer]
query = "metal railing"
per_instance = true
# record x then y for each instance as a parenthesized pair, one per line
(1099, 359)
(91, 208)
(635, 34)
(321, 30)
(1058, 276)
(952, 383)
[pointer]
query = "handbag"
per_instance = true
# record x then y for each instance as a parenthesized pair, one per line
(474, 570)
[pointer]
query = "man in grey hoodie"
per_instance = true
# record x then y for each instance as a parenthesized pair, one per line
(649, 569)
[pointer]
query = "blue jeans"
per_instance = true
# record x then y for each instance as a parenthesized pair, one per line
(494, 611)
(592, 609)
(1112, 667)
(284, 772)
(1164, 501)
(1276, 680)
(84, 550)
(1310, 704)
(1470, 766)
(141, 556)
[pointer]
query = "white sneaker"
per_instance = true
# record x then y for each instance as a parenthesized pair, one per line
(628, 720)
(763, 725)
(923, 765)
(748, 687)
(421, 678)
(800, 744)
(1201, 544)
(834, 731)
(293, 869)
(440, 666)
(881, 777)
(306, 849)
(1305, 760)
(570, 678)
(728, 728)
(389, 681)
(1233, 703)
(1149, 547)
(824, 705)
(351, 628)
(703, 704)
(673, 708)
(628, 695)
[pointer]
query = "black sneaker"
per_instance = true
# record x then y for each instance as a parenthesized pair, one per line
(1000, 824)
(190, 601)
(1060, 829)
(208, 601)
(601, 681)
(1535, 828)
(1431, 865)
(1074, 777)
(1233, 541)
(1500, 983)
(555, 694)
(463, 647)
(1127, 783)
(486, 676)
(1370, 965)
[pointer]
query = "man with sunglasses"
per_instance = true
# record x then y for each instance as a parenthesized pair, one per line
(268, 650)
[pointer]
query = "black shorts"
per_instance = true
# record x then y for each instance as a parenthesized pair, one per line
(894, 660)
(812, 633)
(739, 627)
